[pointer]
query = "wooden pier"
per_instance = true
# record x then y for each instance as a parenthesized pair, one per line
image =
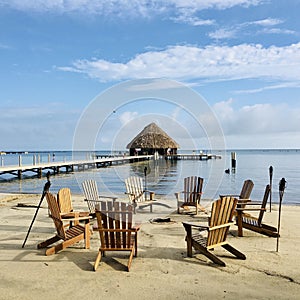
(193, 156)
(71, 166)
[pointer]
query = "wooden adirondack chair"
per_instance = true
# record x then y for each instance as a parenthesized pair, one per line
(245, 192)
(192, 193)
(255, 223)
(217, 230)
(92, 196)
(69, 236)
(138, 196)
(116, 232)
(64, 200)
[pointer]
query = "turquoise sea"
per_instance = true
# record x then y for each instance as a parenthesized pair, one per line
(166, 177)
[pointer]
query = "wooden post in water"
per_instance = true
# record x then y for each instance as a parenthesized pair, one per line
(233, 161)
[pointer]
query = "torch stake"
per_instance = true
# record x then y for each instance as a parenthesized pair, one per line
(281, 192)
(45, 190)
(271, 176)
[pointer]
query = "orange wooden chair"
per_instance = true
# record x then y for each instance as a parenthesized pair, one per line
(216, 231)
(191, 194)
(114, 224)
(255, 223)
(69, 236)
(92, 197)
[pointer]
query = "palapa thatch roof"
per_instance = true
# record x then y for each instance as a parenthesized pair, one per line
(152, 137)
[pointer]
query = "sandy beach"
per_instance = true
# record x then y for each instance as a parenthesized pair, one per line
(161, 271)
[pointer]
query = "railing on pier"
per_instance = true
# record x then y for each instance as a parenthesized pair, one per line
(69, 166)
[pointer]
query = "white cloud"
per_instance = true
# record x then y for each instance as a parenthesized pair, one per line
(258, 119)
(191, 63)
(285, 85)
(239, 30)
(123, 7)
(259, 125)
(267, 22)
(223, 34)
(277, 31)
(127, 116)
(191, 20)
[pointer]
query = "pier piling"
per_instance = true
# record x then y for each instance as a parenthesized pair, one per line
(233, 161)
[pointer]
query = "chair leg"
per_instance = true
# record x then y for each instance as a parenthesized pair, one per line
(98, 259)
(234, 251)
(208, 254)
(130, 259)
(135, 245)
(87, 236)
(55, 249)
(188, 229)
(212, 257)
(48, 242)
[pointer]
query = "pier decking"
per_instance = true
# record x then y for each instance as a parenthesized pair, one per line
(70, 166)
(194, 156)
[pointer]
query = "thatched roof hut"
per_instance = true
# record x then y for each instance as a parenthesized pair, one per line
(152, 139)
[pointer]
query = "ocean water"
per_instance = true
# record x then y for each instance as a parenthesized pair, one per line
(165, 177)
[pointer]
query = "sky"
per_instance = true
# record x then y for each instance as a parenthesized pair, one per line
(60, 57)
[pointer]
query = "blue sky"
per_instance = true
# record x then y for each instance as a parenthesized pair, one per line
(241, 56)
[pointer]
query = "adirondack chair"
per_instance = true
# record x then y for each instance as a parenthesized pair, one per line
(217, 230)
(137, 194)
(64, 200)
(245, 192)
(92, 196)
(192, 192)
(114, 224)
(255, 223)
(69, 236)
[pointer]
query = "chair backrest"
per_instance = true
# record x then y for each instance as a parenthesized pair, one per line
(114, 223)
(246, 189)
(90, 191)
(135, 189)
(64, 200)
(263, 204)
(192, 189)
(55, 215)
(221, 215)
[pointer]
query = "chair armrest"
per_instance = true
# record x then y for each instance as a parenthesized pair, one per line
(200, 193)
(220, 226)
(147, 191)
(229, 195)
(76, 219)
(114, 229)
(108, 197)
(250, 209)
(137, 227)
(131, 194)
(246, 200)
(69, 215)
(199, 226)
(99, 200)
